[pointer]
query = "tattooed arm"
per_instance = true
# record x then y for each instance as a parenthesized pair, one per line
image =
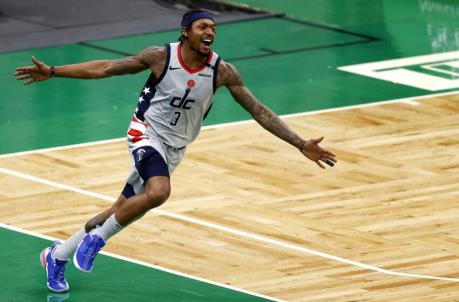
(230, 77)
(147, 58)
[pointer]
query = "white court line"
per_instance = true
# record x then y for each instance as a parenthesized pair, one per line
(408, 100)
(232, 231)
(157, 267)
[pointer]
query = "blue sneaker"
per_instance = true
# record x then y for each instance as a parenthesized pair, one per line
(55, 270)
(87, 251)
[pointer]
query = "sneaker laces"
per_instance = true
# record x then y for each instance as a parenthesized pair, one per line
(59, 270)
(93, 248)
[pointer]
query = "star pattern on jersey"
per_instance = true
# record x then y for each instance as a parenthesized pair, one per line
(144, 102)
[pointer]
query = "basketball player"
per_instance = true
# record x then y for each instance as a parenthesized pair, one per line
(175, 99)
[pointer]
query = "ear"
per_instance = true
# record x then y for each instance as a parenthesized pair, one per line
(185, 32)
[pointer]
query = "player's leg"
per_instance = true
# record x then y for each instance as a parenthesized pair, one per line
(157, 191)
(54, 258)
(111, 221)
(149, 167)
(100, 219)
(66, 250)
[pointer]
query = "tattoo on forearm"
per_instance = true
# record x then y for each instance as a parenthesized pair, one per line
(140, 62)
(278, 127)
(125, 66)
(265, 117)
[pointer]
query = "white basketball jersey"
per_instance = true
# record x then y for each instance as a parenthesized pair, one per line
(174, 105)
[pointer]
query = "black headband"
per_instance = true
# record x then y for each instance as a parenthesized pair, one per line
(196, 16)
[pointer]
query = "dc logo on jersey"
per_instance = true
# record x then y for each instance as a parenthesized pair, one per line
(183, 102)
(190, 83)
(140, 154)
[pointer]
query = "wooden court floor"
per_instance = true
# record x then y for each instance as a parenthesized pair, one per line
(259, 214)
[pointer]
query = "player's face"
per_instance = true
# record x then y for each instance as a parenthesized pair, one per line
(201, 36)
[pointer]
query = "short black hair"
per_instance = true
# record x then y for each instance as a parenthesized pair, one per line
(188, 13)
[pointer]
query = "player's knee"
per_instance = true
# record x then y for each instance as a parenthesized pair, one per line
(158, 196)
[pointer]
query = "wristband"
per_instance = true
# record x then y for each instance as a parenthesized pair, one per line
(302, 146)
(52, 72)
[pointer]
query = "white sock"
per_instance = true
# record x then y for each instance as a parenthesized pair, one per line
(109, 228)
(66, 250)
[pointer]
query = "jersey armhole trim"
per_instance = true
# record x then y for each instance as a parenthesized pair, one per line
(214, 80)
(166, 65)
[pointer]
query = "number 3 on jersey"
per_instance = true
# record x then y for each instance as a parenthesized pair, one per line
(176, 118)
(181, 103)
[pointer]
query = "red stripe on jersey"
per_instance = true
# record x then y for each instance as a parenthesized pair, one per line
(135, 120)
(138, 138)
(134, 132)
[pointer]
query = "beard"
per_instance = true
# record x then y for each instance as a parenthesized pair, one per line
(203, 54)
(200, 52)
(197, 49)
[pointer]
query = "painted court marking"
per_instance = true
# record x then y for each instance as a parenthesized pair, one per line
(157, 267)
(397, 71)
(410, 102)
(225, 228)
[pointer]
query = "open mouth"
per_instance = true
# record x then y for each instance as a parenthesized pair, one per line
(207, 41)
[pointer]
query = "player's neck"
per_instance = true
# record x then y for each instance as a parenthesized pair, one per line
(191, 58)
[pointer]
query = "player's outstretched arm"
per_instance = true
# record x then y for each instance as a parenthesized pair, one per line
(230, 77)
(97, 69)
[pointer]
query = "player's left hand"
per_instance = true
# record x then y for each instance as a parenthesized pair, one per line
(314, 152)
(38, 72)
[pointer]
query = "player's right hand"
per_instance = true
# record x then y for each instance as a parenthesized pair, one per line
(38, 72)
(314, 152)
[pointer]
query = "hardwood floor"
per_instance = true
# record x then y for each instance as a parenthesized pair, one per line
(391, 202)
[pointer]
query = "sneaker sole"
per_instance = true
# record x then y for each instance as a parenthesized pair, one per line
(57, 291)
(75, 262)
(43, 256)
